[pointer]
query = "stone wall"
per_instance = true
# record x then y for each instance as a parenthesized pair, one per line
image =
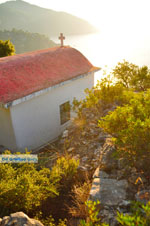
(115, 184)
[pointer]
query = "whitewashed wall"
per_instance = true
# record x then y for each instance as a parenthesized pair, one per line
(7, 137)
(37, 121)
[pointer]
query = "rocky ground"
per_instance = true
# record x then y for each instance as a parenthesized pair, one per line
(115, 183)
(82, 140)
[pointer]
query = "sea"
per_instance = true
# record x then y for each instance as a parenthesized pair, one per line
(105, 50)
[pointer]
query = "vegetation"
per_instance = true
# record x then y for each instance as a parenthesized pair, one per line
(92, 218)
(129, 119)
(120, 108)
(132, 76)
(18, 187)
(80, 194)
(66, 169)
(6, 48)
(26, 41)
(49, 221)
(140, 216)
(20, 182)
(130, 127)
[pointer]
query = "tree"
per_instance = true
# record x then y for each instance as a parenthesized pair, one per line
(132, 76)
(141, 82)
(6, 48)
(125, 72)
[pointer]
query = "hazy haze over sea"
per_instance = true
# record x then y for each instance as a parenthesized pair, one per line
(104, 49)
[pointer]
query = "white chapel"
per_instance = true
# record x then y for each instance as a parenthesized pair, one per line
(36, 88)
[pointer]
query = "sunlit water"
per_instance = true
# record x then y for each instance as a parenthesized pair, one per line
(108, 49)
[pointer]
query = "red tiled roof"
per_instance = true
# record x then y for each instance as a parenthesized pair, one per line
(23, 74)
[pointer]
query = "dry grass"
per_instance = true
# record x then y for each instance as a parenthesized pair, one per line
(80, 195)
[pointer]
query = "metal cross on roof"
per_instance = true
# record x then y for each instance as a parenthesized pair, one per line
(61, 39)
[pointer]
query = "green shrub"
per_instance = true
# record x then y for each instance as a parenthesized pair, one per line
(23, 188)
(6, 48)
(140, 216)
(109, 92)
(116, 88)
(49, 221)
(130, 127)
(105, 92)
(65, 169)
(63, 174)
(92, 219)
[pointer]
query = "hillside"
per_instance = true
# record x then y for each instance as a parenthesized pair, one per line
(26, 41)
(22, 15)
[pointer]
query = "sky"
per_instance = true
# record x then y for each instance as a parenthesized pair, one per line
(117, 16)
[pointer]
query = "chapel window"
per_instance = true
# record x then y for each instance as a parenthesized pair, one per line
(64, 112)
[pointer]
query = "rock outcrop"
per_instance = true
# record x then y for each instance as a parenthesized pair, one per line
(107, 187)
(110, 192)
(115, 184)
(19, 219)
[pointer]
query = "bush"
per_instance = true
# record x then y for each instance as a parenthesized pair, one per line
(106, 92)
(63, 173)
(140, 216)
(109, 92)
(92, 219)
(6, 48)
(65, 169)
(125, 78)
(130, 127)
(23, 188)
(49, 221)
